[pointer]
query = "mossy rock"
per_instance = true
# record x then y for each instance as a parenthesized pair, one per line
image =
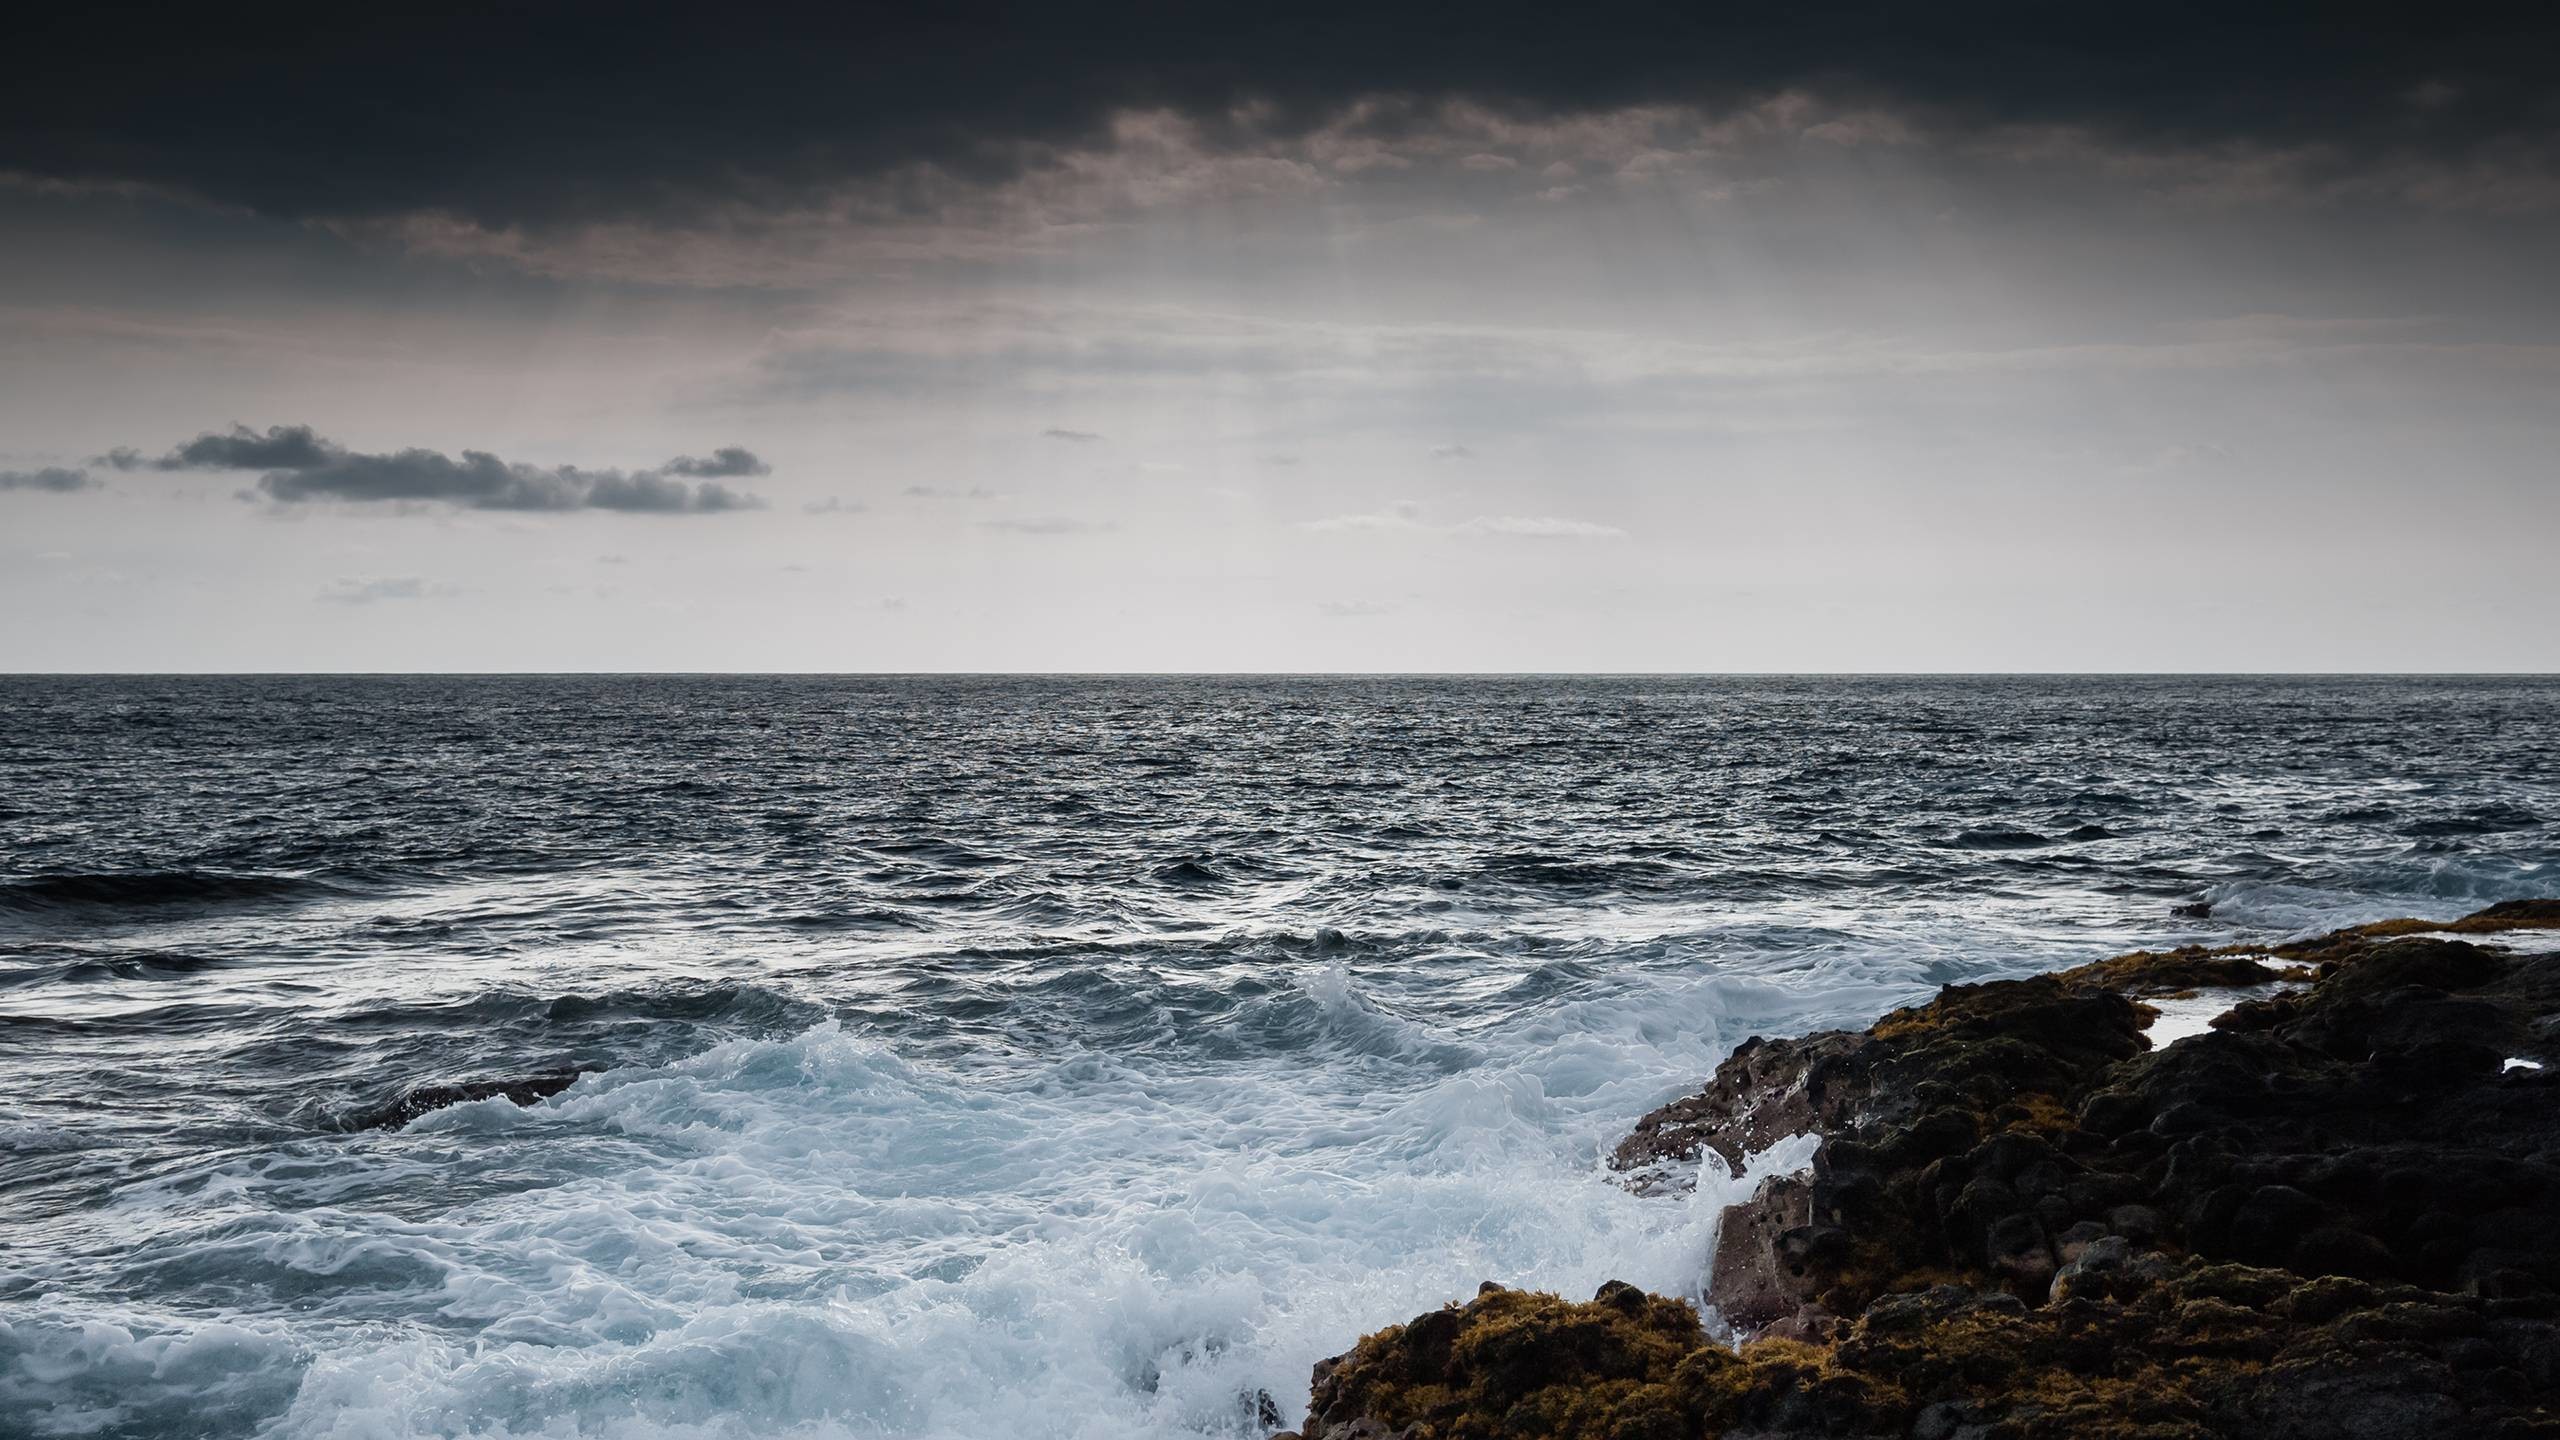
(2338, 1213)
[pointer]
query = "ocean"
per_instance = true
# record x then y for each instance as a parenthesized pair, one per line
(975, 1057)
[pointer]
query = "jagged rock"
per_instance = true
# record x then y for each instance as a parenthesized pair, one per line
(2337, 1213)
(1763, 1277)
(424, 1098)
(1764, 1092)
(2181, 1349)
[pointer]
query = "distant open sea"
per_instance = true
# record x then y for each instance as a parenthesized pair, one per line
(991, 1057)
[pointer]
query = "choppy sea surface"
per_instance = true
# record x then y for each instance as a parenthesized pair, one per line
(1028, 1058)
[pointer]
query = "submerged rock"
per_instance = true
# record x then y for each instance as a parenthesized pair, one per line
(422, 1099)
(2336, 1212)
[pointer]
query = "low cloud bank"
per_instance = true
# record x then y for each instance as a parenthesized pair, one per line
(53, 477)
(300, 465)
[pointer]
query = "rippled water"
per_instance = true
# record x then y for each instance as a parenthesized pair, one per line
(976, 1057)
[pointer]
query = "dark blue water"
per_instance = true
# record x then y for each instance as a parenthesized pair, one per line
(1030, 1057)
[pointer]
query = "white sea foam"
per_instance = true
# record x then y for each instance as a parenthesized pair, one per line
(1719, 1187)
(820, 1235)
(2185, 1017)
(1184, 1030)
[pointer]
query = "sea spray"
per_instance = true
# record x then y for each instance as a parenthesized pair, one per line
(969, 1057)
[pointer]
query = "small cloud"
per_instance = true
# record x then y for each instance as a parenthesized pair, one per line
(1281, 460)
(1348, 524)
(278, 447)
(1160, 467)
(1355, 609)
(1044, 525)
(1452, 452)
(936, 492)
(54, 478)
(795, 568)
(1072, 437)
(613, 559)
(1406, 519)
(835, 505)
(1538, 527)
(1487, 162)
(727, 462)
(1403, 515)
(351, 591)
(893, 603)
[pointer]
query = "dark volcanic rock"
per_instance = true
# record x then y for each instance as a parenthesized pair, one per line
(1762, 1262)
(1765, 1091)
(424, 1098)
(2184, 1349)
(2336, 1213)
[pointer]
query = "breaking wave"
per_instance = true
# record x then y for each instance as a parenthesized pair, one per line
(958, 1058)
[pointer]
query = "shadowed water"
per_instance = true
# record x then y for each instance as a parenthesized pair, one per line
(1030, 1057)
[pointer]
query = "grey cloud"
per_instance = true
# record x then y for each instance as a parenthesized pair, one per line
(647, 492)
(729, 462)
(55, 478)
(832, 505)
(301, 466)
(278, 447)
(1452, 452)
(296, 111)
(1073, 437)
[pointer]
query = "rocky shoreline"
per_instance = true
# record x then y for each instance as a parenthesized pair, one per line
(2333, 1211)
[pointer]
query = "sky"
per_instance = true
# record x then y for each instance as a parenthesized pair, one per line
(1398, 336)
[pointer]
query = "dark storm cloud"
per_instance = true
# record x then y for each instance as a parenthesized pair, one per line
(52, 477)
(302, 466)
(580, 110)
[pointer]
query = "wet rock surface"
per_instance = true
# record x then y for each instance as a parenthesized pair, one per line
(2335, 1213)
(422, 1099)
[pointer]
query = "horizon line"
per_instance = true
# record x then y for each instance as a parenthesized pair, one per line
(533, 674)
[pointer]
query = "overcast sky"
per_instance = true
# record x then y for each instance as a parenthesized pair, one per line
(1042, 339)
